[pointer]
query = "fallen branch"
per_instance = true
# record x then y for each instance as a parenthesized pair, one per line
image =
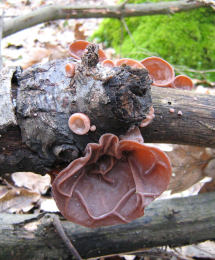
(41, 141)
(172, 222)
(56, 12)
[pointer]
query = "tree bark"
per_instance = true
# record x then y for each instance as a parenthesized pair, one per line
(35, 106)
(56, 12)
(172, 222)
(191, 123)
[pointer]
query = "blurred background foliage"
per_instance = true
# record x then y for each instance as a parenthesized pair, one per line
(184, 39)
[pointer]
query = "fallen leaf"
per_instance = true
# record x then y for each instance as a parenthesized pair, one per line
(36, 56)
(78, 32)
(17, 200)
(3, 191)
(208, 187)
(34, 182)
(204, 250)
(188, 163)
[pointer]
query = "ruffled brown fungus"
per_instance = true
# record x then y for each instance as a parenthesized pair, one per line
(160, 70)
(79, 123)
(183, 82)
(130, 62)
(78, 48)
(112, 183)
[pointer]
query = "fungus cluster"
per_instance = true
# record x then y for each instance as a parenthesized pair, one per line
(161, 72)
(118, 177)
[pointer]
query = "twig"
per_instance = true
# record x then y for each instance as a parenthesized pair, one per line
(121, 38)
(62, 234)
(56, 12)
(128, 31)
(210, 3)
(122, 5)
(196, 71)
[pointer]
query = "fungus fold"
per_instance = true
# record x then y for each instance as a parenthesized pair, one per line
(112, 183)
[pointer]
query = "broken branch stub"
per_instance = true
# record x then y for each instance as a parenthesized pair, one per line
(114, 99)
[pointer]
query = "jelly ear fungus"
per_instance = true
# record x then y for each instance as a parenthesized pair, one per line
(160, 70)
(163, 75)
(112, 183)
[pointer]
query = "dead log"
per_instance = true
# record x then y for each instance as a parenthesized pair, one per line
(173, 222)
(35, 105)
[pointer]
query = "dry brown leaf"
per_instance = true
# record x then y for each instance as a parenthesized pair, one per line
(56, 51)
(36, 56)
(17, 200)
(188, 163)
(208, 187)
(78, 32)
(48, 52)
(3, 191)
(204, 250)
(34, 182)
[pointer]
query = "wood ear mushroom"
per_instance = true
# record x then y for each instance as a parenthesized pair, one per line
(112, 183)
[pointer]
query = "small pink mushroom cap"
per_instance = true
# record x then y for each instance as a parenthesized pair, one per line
(183, 82)
(93, 128)
(77, 49)
(70, 69)
(160, 70)
(130, 62)
(79, 123)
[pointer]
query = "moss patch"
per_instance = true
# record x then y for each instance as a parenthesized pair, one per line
(185, 38)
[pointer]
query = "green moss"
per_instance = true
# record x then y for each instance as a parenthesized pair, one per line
(185, 38)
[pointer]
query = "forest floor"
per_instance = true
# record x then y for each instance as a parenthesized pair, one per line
(49, 41)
